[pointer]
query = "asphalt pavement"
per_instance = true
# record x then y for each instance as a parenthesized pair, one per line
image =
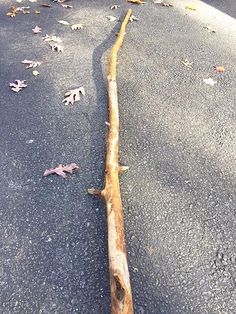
(178, 137)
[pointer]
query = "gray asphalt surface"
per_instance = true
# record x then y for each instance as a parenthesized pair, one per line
(177, 136)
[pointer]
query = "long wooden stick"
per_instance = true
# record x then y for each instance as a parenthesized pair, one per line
(121, 295)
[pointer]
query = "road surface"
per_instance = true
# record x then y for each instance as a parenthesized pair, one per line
(177, 137)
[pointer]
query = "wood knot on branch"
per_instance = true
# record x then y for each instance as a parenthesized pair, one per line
(120, 290)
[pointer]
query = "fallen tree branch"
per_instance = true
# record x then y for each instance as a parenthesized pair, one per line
(121, 295)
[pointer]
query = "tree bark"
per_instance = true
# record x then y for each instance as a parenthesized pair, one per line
(121, 295)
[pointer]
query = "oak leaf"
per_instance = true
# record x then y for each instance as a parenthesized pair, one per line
(76, 26)
(61, 170)
(73, 95)
(209, 29)
(209, 81)
(133, 18)
(57, 47)
(52, 38)
(13, 11)
(187, 63)
(111, 18)
(220, 69)
(164, 4)
(37, 29)
(66, 6)
(115, 7)
(18, 85)
(31, 64)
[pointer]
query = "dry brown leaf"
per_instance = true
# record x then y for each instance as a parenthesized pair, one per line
(18, 85)
(111, 18)
(37, 30)
(35, 73)
(187, 63)
(60, 1)
(133, 18)
(220, 69)
(57, 47)
(164, 4)
(52, 38)
(168, 5)
(76, 26)
(25, 10)
(66, 6)
(13, 11)
(45, 5)
(31, 64)
(64, 22)
(115, 7)
(136, 1)
(73, 95)
(61, 170)
(209, 29)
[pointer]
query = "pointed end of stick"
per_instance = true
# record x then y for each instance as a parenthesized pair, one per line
(123, 169)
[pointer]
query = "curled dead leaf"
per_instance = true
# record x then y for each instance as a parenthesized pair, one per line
(35, 73)
(63, 22)
(111, 18)
(209, 29)
(45, 5)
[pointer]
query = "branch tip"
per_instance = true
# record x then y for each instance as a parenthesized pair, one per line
(123, 169)
(94, 192)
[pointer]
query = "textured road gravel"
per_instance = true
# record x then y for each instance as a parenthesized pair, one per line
(178, 136)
